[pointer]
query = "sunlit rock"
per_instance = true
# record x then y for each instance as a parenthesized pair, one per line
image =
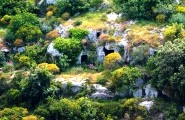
(147, 104)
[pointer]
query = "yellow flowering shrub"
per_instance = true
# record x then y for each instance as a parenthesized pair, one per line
(180, 9)
(30, 117)
(111, 60)
(49, 14)
(174, 31)
(50, 67)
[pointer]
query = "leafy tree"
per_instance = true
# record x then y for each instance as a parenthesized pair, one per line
(65, 109)
(78, 33)
(69, 47)
(124, 78)
(167, 69)
(21, 19)
(28, 33)
(37, 83)
(2, 59)
(174, 31)
(12, 7)
(13, 113)
(140, 55)
(75, 6)
(138, 8)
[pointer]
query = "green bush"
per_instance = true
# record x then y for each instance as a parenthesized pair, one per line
(69, 47)
(124, 78)
(131, 107)
(160, 18)
(74, 7)
(2, 59)
(65, 16)
(13, 113)
(12, 7)
(6, 19)
(29, 33)
(77, 23)
(21, 19)
(181, 116)
(174, 31)
(104, 77)
(8, 68)
(140, 55)
(178, 18)
(78, 33)
(167, 69)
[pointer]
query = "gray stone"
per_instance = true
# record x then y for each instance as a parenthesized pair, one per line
(150, 91)
(147, 104)
(138, 93)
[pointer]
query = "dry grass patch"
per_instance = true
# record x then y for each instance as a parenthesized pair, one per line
(144, 35)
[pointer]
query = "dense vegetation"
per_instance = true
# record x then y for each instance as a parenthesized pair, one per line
(72, 60)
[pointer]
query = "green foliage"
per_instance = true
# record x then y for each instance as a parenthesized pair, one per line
(37, 83)
(74, 7)
(164, 8)
(178, 18)
(131, 105)
(160, 18)
(4, 83)
(140, 55)
(69, 47)
(174, 31)
(8, 68)
(65, 109)
(167, 69)
(65, 16)
(12, 7)
(36, 53)
(2, 59)
(13, 113)
(21, 19)
(77, 23)
(28, 33)
(13, 96)
(5, 19)
(63, 63)
(181, 116)
(25, 61)
(104, 77)
(141, 9)
(136, 8)
(124, 78)
(111, 61)
(78, 33)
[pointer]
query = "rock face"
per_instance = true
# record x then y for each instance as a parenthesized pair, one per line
(150, 91)
(62, 30)
(101, 92)
(75, 84)
(52, 51)
(138, 93)
(147, 104)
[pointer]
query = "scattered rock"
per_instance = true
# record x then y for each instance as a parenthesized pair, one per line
(147, 104)
(150, 91)
(138, 93)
